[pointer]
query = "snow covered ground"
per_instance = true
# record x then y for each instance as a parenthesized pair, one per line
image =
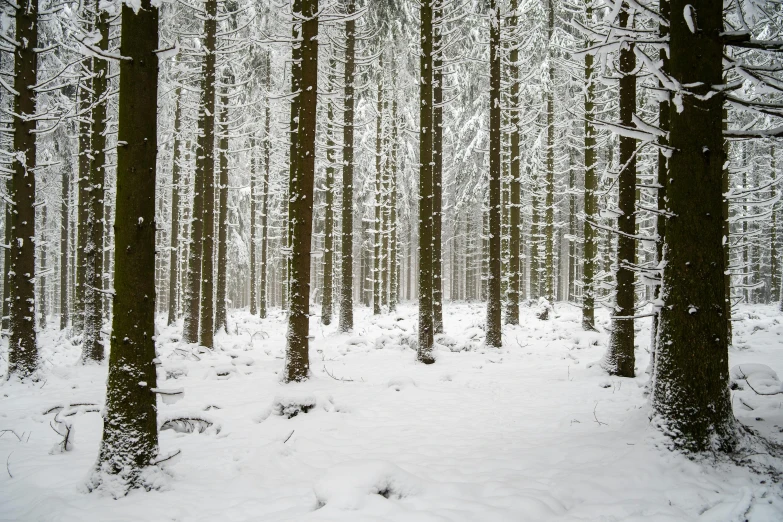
(535, 431)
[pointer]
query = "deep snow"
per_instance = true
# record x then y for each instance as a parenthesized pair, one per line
(535, 431)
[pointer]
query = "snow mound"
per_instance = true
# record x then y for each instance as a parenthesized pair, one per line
(401, 383)
(350, 485)
(291, 404)
(759, 377)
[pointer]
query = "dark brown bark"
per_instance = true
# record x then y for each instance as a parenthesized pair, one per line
(221, 316)
(346, 289)
(175, 183)
(297, 363)
(22, 349)
(620, 358)
(328, 293)
(512, 303)
(691, 399)
(437, 169)
(130, 435)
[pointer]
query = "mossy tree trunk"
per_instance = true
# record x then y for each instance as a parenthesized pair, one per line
(130, 432)
(691, 399)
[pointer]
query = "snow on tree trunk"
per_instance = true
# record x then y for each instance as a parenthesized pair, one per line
(346, 289)
(22, 348)
(691, 399)
(297, 362)
(130, 434)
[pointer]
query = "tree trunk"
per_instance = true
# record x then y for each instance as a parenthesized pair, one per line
(253, 241)
(512, 304)
(591, 185)
(426, 326)
(437, 169)
(92, 345)
(42, 281)
(691, 399)
(620, 356)
(394, 284)
(64, 234)
(549, 227)
(83, 209)
(377, 226)
(265, 192)
(22, 349)
(346, 289)
(207, 316)
(175, 182)
(328, 294)
(130, 434)
(221, 319)
(297, 363)
(493, 284)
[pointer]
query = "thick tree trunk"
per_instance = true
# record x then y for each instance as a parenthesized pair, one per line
(620, 358)
(297, 362)
(691, 399)
(83, 209)
(92, 345)
(130, 434)
(207, 316)
(426, 326)
(346, 289)
(22, 349)
(175, 182)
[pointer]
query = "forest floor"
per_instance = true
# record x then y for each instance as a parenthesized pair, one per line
(534, 431)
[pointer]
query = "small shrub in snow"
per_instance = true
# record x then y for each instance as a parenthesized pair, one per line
(349, 485)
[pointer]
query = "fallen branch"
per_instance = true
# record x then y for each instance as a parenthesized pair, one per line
(343, 379)
(289, 436)
(596, 417)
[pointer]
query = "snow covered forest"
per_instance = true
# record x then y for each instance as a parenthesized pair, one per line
(352, 260)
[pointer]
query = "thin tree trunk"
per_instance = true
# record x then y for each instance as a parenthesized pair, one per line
(265, 196)
(512, 304)
(437, 169)
(549, 227)
(326, 308)
(377, 226)
(130, 434)
(64, 234)
(92, 345)
(207, 316)
(42, 304)
(591, 185)
(620, 358)
(175, 182)
(221, 319)
(493, 284)
(394, 284)
(426, 326)
(297, 363)
(346, 290)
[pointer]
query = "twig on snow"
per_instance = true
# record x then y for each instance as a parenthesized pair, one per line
(289, 436)
(596, 417)
(7, 467)
(343, 379)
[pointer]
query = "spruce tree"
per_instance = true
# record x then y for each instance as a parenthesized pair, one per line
(130, 429)
(691, 399)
